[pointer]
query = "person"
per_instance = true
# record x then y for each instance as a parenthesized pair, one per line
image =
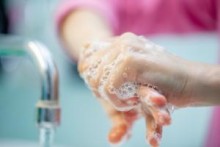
(131, 75)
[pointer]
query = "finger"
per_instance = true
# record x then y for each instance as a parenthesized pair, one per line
(122, 131)
(161, 117)
(86, 58)
(122, 73)
(156, 104)
(151, 96)
(159, 109)
(121, 87)
(102, 71)
(118, 133)
(120, 126)
(154, 131)
(88, 67)
(132, 115)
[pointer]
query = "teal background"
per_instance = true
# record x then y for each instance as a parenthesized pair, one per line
(84, 124)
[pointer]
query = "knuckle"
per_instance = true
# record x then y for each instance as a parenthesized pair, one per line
(128, 35)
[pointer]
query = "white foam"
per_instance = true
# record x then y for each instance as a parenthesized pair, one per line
(150, 45)
(92, 70)
(171, 108)
(107, 71)
(95, 46)
(127, 90)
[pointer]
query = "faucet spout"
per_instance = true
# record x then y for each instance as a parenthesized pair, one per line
(48, 108)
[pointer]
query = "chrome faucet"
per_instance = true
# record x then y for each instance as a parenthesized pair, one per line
(48, 108)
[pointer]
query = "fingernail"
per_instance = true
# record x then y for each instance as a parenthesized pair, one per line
(164, 119)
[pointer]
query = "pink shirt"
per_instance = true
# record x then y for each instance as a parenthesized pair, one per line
(151, 16)
(156, 16)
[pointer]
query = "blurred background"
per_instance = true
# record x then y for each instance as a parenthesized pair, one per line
(83, 121)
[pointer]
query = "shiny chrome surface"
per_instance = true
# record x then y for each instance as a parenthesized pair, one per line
(48, 109)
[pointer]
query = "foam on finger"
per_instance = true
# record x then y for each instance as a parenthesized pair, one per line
(156, 106)
(154, 131)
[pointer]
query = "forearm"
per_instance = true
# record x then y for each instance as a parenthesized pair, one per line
(205, 85)
(82, 26)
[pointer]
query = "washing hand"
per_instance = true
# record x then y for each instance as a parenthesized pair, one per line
(133, 78)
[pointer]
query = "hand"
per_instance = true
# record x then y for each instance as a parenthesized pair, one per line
(135, 76)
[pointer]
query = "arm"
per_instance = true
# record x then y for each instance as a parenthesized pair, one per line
(80, 27)
(204, 84)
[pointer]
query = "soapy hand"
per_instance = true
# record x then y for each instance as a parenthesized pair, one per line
(134, 77)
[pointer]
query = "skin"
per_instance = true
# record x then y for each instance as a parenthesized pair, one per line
(178, 82)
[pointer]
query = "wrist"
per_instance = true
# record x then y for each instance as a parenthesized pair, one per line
(204, 87)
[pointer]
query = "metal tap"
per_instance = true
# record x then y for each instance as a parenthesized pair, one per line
(48, 108)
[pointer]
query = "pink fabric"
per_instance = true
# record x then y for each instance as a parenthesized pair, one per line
(150, 16)
(213, 137)
(160, 16)
(147, 17)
